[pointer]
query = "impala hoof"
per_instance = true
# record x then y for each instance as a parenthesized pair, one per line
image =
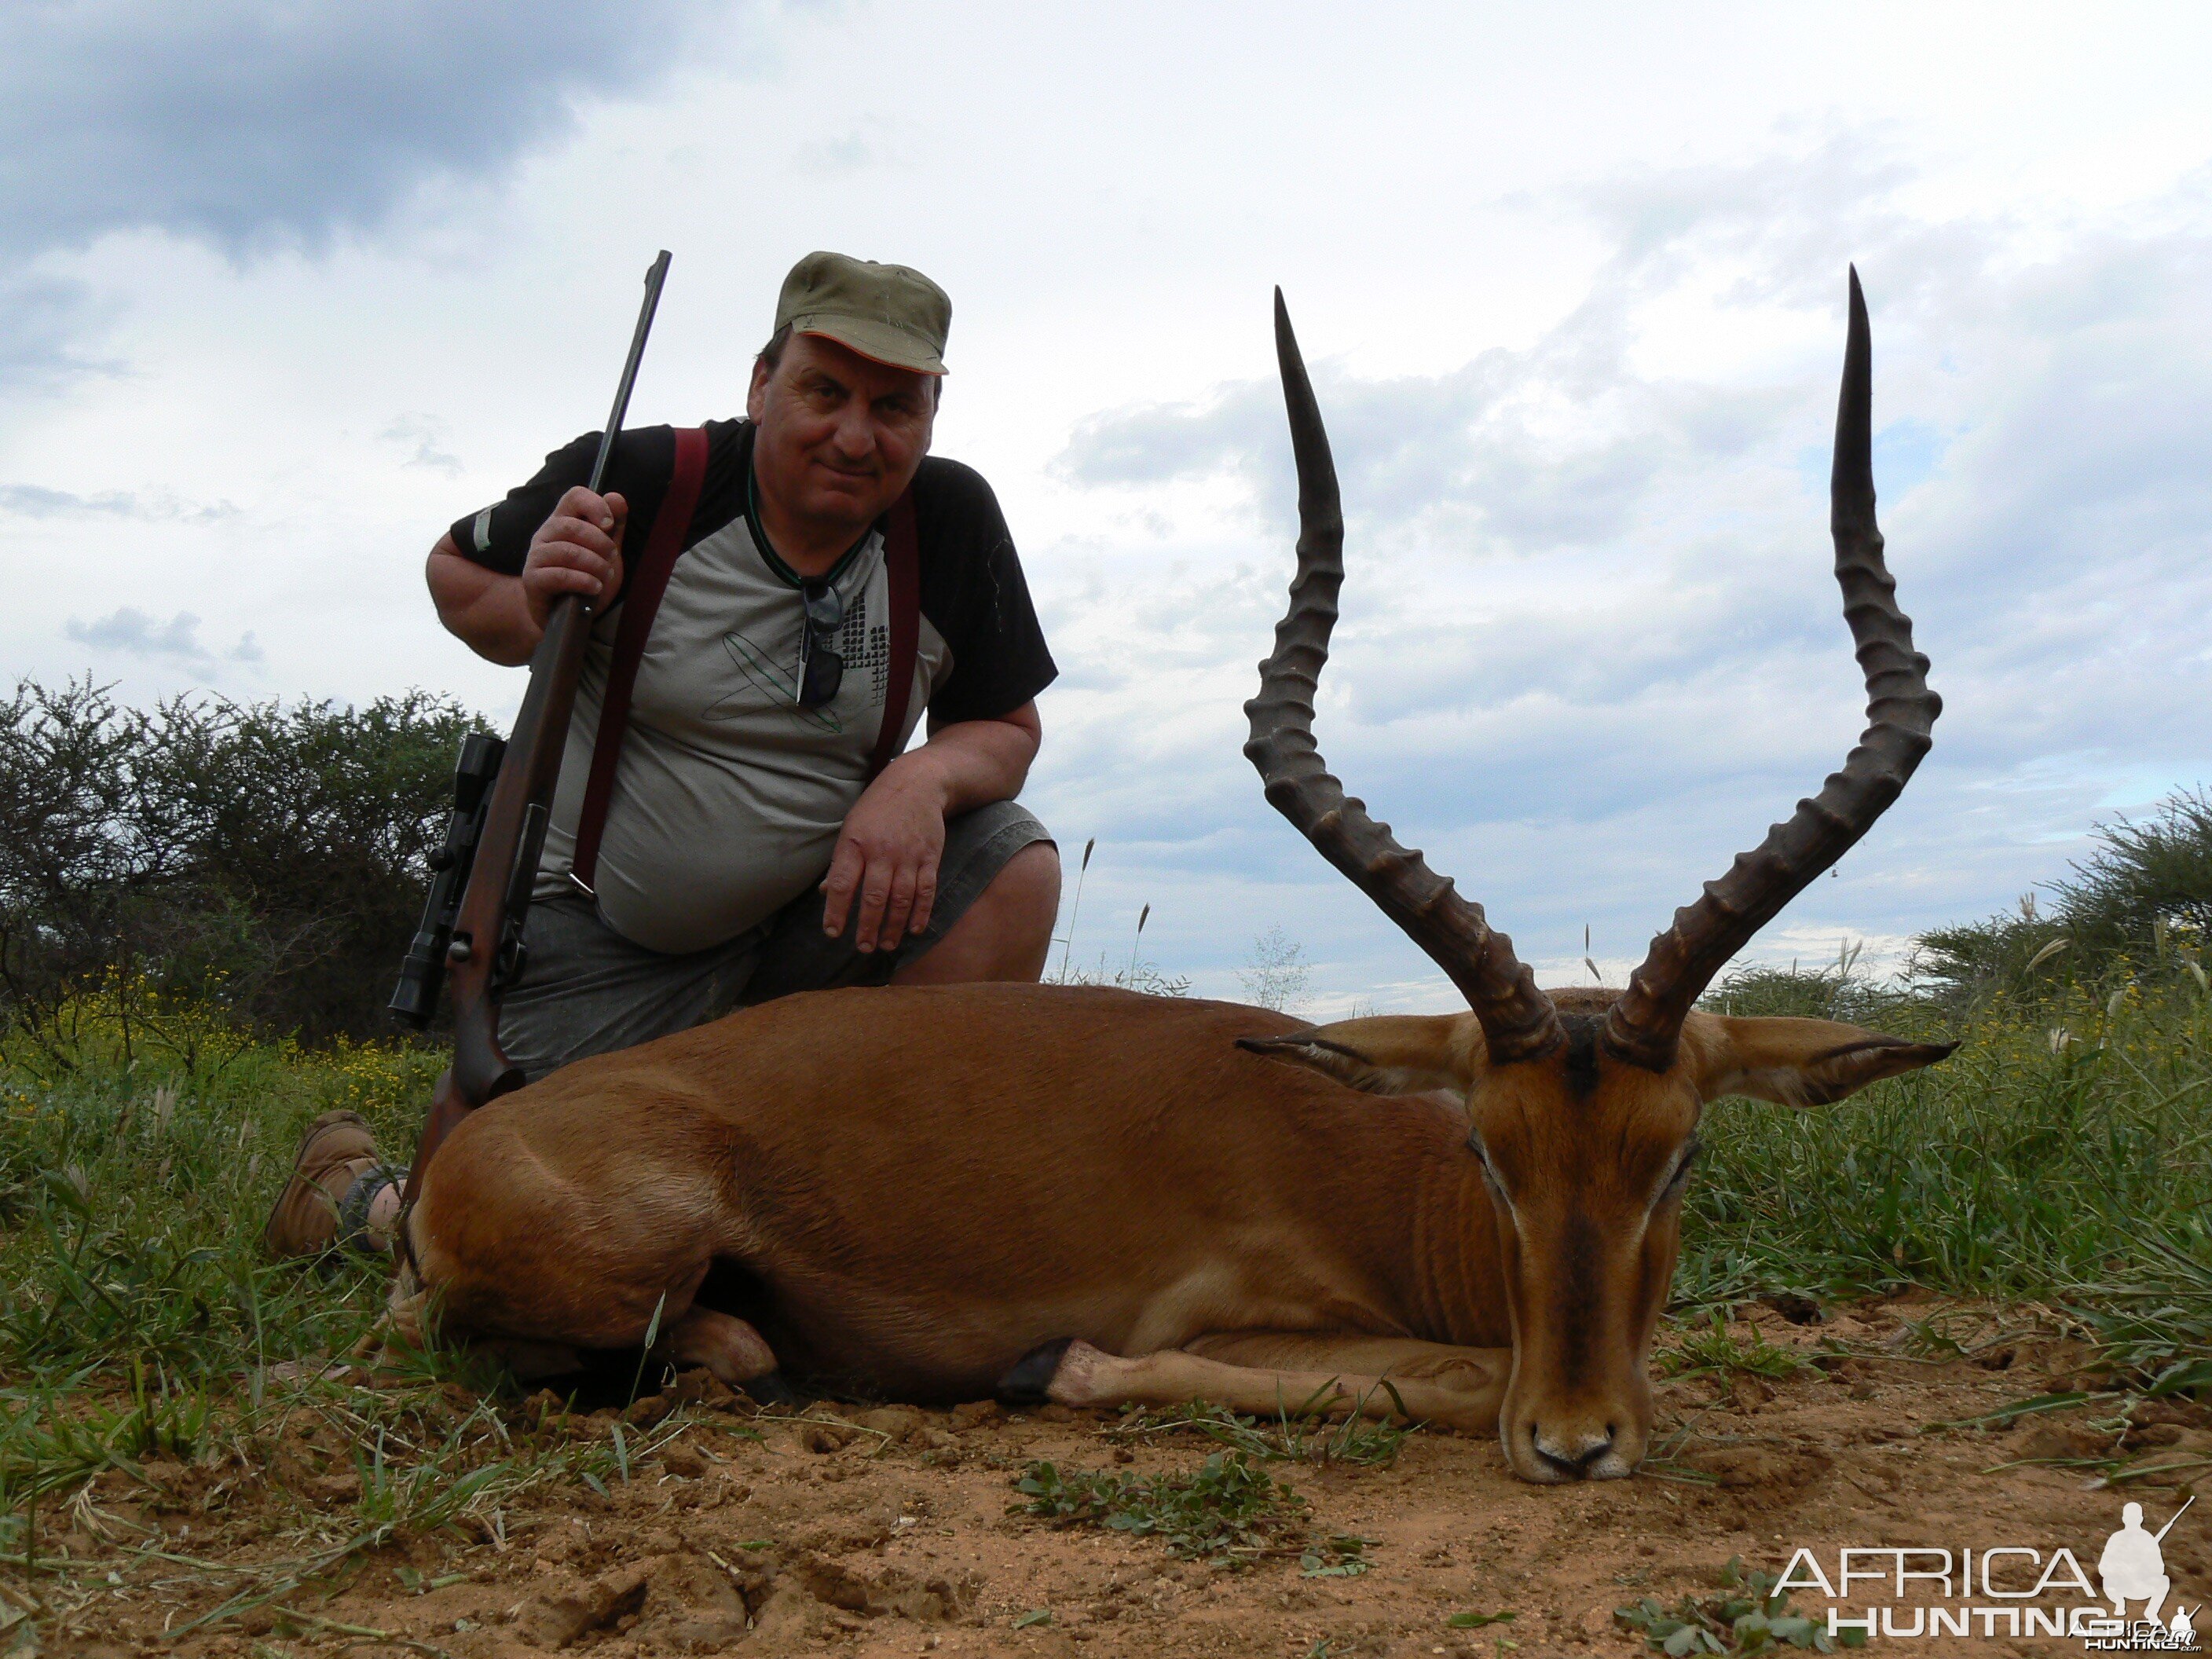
(1031, 1376)
(770, 1388)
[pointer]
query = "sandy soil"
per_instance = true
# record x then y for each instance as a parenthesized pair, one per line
(888, 1532)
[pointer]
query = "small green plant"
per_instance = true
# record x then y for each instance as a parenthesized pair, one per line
(1225, 1510)
(1749, 1615)
(1714, 1351)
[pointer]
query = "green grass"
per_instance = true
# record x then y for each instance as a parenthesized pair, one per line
(131, 1201)
(1709, 1350)
(1224, 1510)
(2063, 1155)
(141, 1328)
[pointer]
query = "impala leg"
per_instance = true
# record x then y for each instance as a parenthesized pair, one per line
(538, 1261)
(723, 1343)
(1263, 1372)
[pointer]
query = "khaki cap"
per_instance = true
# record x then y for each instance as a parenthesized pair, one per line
(890, 313)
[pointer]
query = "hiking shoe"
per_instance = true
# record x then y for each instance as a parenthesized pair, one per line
(335, 1178)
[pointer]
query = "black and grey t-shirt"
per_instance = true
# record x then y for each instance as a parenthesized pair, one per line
(728, 797)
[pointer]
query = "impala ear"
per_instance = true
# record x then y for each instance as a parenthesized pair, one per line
(1796, 1062)
(1386, 1054)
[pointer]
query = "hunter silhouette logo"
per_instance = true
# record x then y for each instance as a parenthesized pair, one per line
(2008, 1590)
(2133, 1565)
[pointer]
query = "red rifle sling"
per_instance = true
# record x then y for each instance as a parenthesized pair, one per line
(902, 567)
(649, 580)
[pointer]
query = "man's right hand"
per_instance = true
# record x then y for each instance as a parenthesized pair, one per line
(577, 551)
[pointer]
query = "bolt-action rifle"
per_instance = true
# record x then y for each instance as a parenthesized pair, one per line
(470, 934)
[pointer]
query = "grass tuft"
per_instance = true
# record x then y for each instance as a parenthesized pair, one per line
(1225, 1510)
(1712, 1351)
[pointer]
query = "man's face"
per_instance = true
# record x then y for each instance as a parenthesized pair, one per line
(840, 434)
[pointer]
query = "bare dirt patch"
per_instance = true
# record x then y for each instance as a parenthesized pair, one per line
(889, 1531)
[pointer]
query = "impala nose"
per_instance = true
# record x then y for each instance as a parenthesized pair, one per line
(1572, 1451)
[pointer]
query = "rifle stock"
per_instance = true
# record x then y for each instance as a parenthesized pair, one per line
(486, 954)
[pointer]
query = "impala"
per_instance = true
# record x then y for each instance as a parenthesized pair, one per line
(1103, 1199)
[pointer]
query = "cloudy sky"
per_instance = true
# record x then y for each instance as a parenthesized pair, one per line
(285, 287)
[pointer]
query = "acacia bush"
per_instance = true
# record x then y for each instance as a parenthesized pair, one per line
(2140, 905)
(264, 861)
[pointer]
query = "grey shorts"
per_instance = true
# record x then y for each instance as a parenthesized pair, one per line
(586, 990)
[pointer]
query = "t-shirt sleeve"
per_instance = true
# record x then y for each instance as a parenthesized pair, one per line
(973, 591)
(498, 536)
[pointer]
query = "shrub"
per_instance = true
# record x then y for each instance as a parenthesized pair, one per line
(2141, 903)
(263, 862)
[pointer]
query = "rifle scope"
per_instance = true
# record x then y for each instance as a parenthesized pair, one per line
(423, 972)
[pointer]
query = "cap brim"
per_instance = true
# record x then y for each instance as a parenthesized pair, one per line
(879, 343)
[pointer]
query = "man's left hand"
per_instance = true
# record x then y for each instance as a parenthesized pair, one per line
(888, 855)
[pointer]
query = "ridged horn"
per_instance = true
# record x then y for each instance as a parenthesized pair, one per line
(1645, 1024)
(1518, 1021)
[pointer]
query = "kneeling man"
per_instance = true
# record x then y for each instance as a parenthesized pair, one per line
(748, 850)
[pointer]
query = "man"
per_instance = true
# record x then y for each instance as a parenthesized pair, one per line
(746, 853)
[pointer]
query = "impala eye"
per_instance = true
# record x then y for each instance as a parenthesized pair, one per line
(1490, 1171)
(1680, 1178)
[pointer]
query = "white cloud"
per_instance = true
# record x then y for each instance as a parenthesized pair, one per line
(254, 126)
(246, 123)
(426, 436)
(36, 501)
(133, 632)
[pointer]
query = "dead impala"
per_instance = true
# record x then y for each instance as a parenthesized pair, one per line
(1106, 1199)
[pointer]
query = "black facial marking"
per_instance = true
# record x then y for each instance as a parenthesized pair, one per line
(1578, 1307)
(1582, 1031)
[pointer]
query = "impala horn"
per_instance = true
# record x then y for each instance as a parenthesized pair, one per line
(1645, 1024)
(1518, 1021)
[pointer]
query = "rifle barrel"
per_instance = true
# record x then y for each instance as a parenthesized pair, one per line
(653, 278)
(497, 898)
(2159, 1537)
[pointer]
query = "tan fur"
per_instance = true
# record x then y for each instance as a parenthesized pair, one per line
(924, 1184)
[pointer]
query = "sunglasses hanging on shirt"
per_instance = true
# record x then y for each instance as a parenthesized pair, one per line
(820, 664)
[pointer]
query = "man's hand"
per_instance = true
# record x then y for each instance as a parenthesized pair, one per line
(888, 855)
(577, 551)
(893, 837)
